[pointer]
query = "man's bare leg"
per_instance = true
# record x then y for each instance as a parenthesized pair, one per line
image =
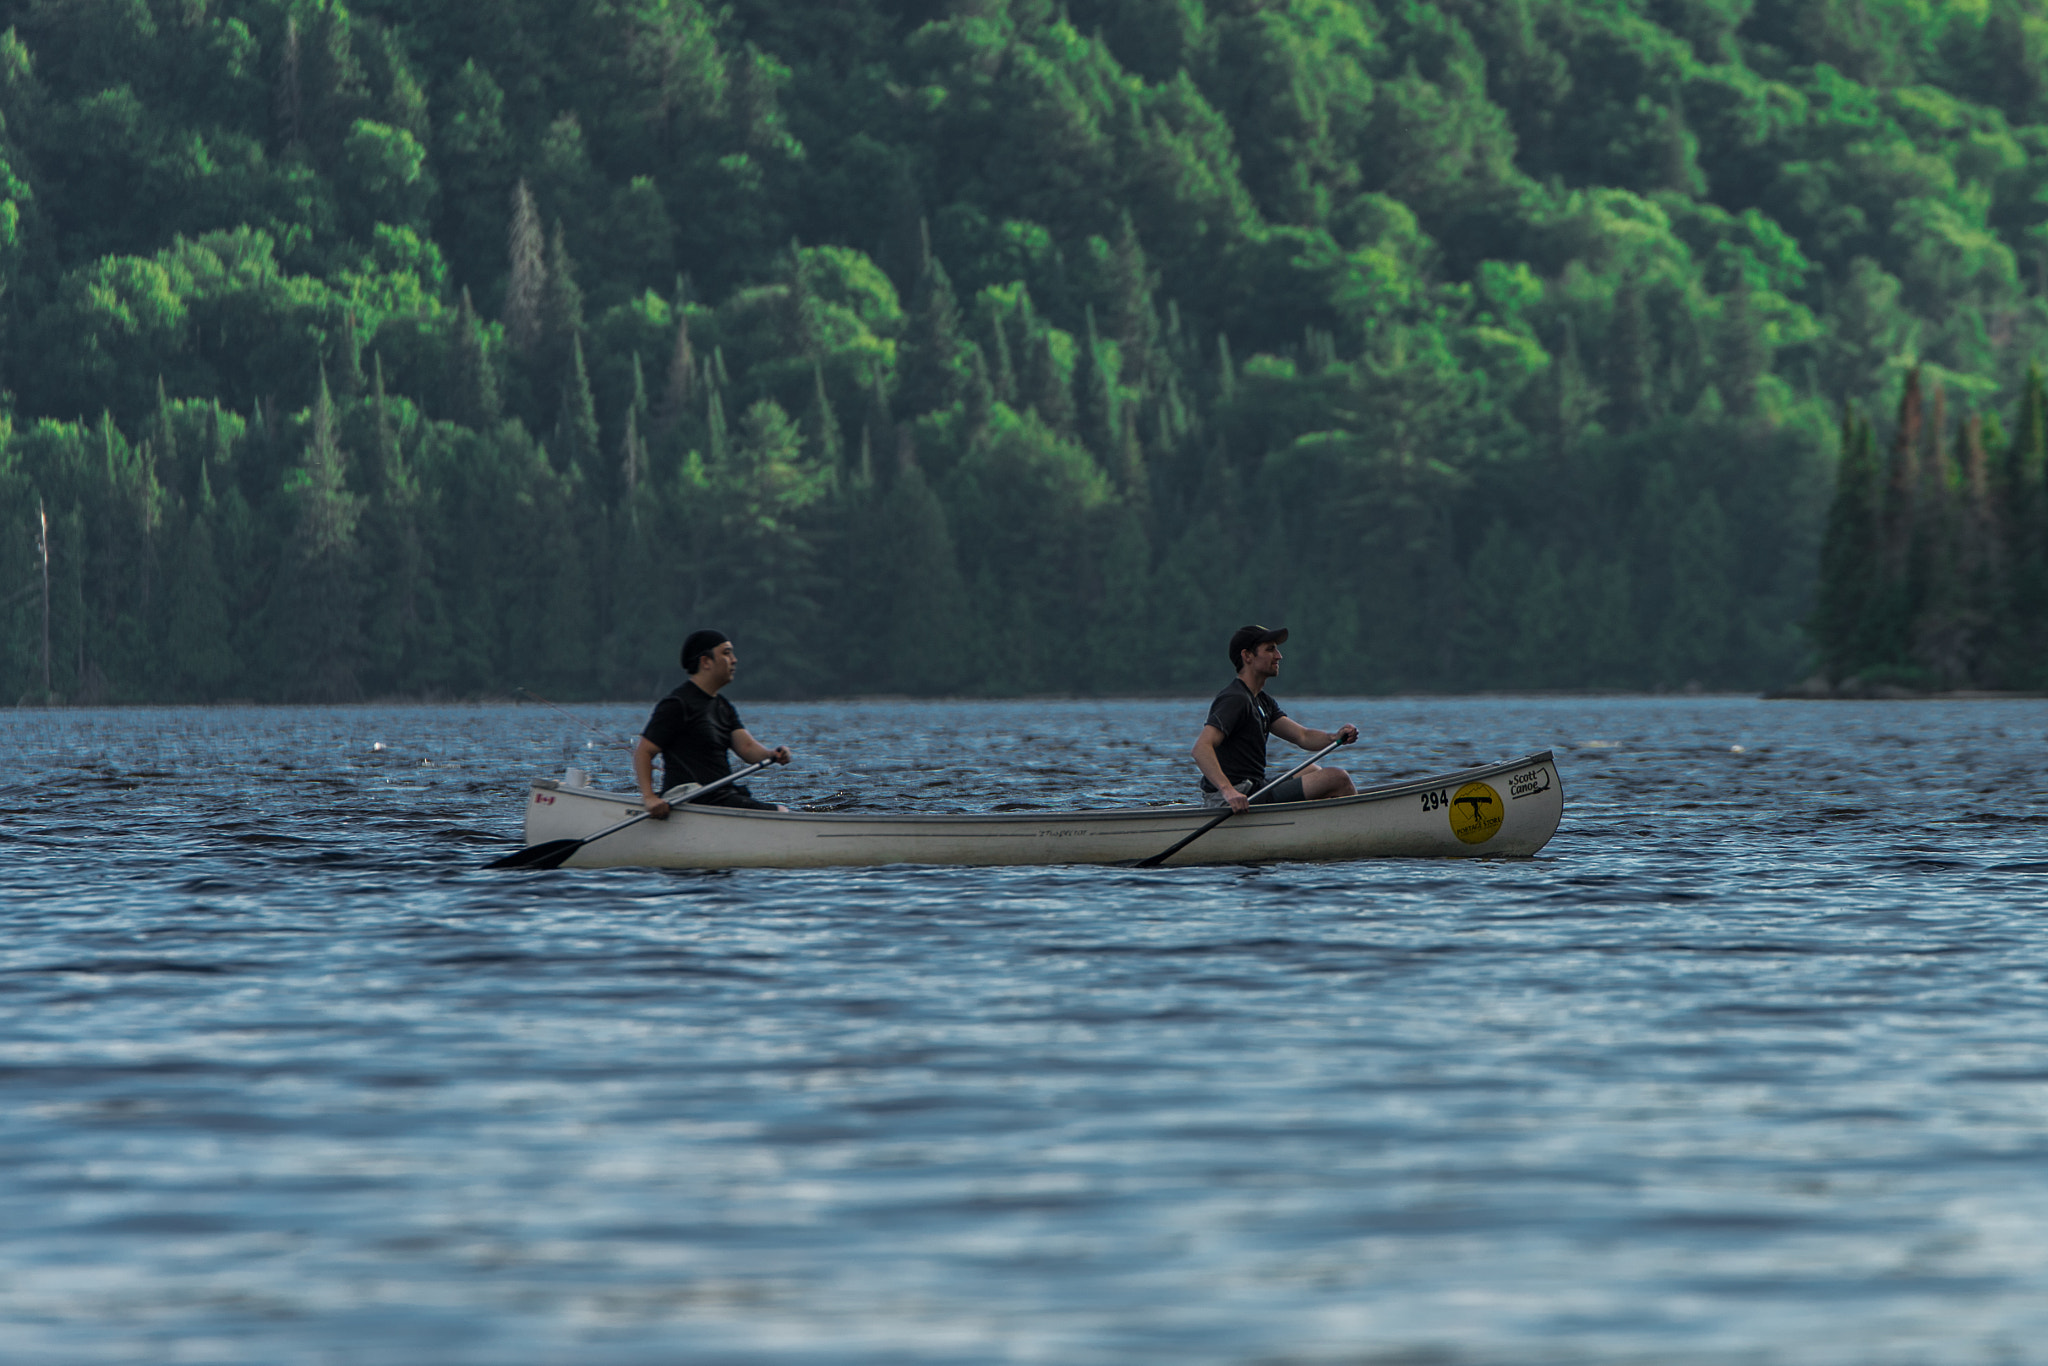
(1318, 782)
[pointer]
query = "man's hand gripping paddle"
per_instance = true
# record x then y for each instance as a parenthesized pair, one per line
(1166, 854)
(554, 853)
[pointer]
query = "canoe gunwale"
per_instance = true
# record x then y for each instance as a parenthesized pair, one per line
(1378, 792)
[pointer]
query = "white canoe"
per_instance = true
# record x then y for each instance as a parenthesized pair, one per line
(1507, 810)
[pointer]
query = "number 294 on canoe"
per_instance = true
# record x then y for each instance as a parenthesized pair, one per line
(1437, 800)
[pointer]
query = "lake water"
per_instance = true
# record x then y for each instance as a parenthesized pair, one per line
(1750, 1066)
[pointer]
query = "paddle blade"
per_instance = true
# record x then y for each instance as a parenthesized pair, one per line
(547, 854)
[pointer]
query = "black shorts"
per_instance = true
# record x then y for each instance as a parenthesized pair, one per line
(732, 794)
(1290, 790)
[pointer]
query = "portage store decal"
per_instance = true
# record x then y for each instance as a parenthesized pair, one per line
(1476, 813)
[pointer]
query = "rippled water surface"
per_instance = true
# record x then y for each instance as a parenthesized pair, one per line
(1751, 1065)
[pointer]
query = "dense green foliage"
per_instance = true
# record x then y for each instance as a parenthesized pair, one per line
(994, 344)
(1934, 568)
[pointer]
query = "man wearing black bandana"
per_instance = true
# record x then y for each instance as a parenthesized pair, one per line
(1231, 750)
(693, 729)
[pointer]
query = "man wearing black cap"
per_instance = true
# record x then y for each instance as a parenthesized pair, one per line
(693, 728)
(1231, 750)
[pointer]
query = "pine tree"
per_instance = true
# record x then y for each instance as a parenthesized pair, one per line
(1045, 386)
(1133, 321)
(714, 426)
(561, 308)
(163, 436)
(1884, 638)
(680, 390)
(1003, 370)
(405, 639)
(196, 626)
(473, 382)
(1745, 350)
(315, 610)
(931, 375)
(2024, 647)
(289, 98)
(577, 435)
(341, 92)
(527, 283)
(821, 425)
(979, 400)
(878, 432)
(349, 369)
(1851, 558)
(1100, 425)
(1123, 623)
(929, 628)
(632, 459)
(1629, 360)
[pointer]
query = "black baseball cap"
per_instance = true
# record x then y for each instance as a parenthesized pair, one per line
(1251, 638)
(700, 644)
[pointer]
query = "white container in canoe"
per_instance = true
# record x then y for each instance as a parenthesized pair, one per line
(1507, 810)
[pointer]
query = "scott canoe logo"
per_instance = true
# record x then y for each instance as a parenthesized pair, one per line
(1529, 782)
(1475, 813)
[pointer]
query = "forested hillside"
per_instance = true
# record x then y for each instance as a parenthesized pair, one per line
(996, 345)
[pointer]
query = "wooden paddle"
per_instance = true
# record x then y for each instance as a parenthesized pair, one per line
(1164, 855)
(554, 853)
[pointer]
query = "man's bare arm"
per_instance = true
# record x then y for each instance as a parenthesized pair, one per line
(1288, 729)
(1212, 768)
(753, 751)
(644, 751)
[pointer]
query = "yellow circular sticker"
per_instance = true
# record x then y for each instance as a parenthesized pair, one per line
(1476, 813)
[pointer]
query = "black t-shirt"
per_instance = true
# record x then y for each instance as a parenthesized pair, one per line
(693, 730)
(1244, 720)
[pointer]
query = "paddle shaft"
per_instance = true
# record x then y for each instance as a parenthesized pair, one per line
(554, 853)
(1228, 812)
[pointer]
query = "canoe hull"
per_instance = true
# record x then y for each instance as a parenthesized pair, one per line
(1507, 810)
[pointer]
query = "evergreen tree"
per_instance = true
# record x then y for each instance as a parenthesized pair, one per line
(930, 630)
(1098, 420)
(714, 426)
(163, 439)
(821, 425)
(1629, 361)
(1745, 350)
(288, 98)
(1133, 320)
(2024, 643)
(979, 397)
(1045, 386)
(931, 370)
(1122, 625)
(405, 640)
(196, 629)
(577, 438)
(473, 383)
(679, 391)
(561, 309)
(1851, 558)
(349, 368)
(1003, 371)
(315, 609)
(526, 285)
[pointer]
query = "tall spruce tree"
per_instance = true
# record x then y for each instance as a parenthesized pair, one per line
(1851, 557)
(932, 374)
(1095, 398)
(526, 282)
(315, 611)
(473, 383)
(577, 437)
